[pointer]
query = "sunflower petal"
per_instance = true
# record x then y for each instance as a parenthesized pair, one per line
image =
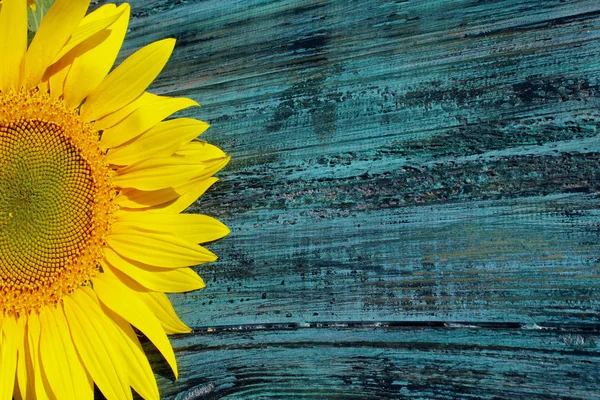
(9, 334)
(119, 115)
(161, 306)
(32, 344)
(90, 26)
(13, 42)
(167, 172)
(186, 199)
(196, 228)
(190, 193)
(99, 13)
(140, 199)
(141, 377)
(95, 342)
(57, 26)
(94, 59)
(160, 141)
(66, 376)
(212, 166)
(83, 385)
(55, 78)
(157, 302)
(24, 384)
(161, 280)
(156, 249)
(201, 150)
(56, 75)
(52, 359)
(124, 302)
(128, 80)
(149, 114)
(158, 173)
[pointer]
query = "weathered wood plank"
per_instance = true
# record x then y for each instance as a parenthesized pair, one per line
(422, 160)
(528, 260)
(383, 362)
(402, 162)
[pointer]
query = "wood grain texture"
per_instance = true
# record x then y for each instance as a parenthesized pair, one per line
(413, 196)
(387, 362)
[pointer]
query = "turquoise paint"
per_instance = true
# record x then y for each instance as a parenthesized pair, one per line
(412, 197)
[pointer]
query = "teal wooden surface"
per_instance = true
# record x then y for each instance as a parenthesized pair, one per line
(413, 197)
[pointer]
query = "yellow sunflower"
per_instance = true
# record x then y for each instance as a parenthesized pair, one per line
(93, 181)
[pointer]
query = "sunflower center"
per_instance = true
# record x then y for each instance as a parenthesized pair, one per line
(55, 201)
(46, 200)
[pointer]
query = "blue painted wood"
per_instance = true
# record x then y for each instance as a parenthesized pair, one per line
(413, 196)
(387, 362)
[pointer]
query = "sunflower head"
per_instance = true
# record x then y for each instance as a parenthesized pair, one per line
(94, 176)
(56, 201)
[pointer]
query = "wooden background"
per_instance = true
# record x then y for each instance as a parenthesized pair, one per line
(413, 197)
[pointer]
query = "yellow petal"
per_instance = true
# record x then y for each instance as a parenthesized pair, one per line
(201, 150)
(156, 249)
(13, 42)
(96, 344)
(60, 364)
(55, 29)
(196, 228)
(158, 302)
(158, 173)
(141, 199)
(82, 383)
(24, 385)
(94, 59)
(186, 199)
(43, 86)
(32, 345)
(161, 307)
(52, 360)
(119, 115)
(124, 302)
(99, 13)
(202, 183)
(212, 166)
(141, 377)
(56, 75)
(128, 80)
(90, 26)
(9, 336)
(160, 199)
(158, 279)
(160, 141)
(154, 110)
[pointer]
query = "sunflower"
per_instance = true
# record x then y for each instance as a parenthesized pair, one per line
(93, 181)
